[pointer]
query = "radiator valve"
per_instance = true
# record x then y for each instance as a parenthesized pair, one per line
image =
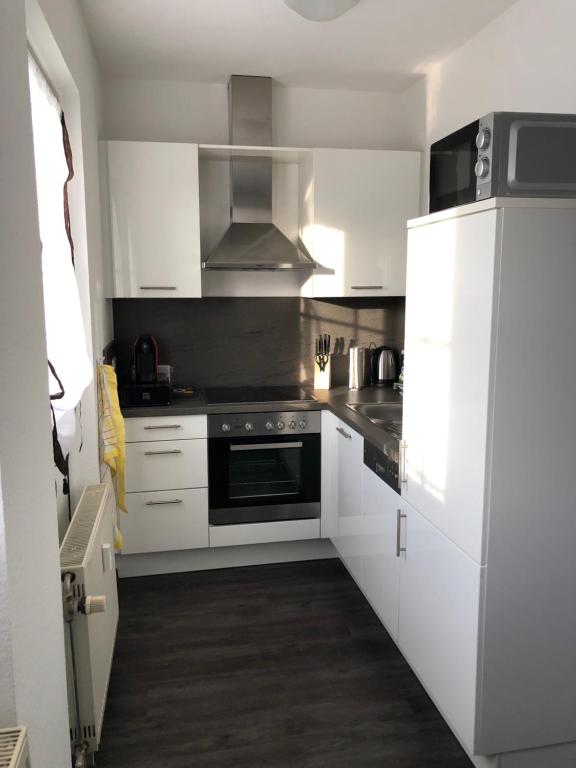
(73, 604)
(93, 604)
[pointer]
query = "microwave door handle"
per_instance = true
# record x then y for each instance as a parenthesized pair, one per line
(264, 446)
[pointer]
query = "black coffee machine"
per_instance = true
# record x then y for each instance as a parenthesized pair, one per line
(145, 389)
(145, 360)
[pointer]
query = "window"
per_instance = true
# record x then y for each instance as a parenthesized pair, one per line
(65, 338)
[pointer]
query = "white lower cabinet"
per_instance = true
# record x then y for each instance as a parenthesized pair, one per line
(141, 429)
(348, 536)
(166, 464)
(380, 556)
(329, 490)
(264, 533)
(166, 485)
(424, 588)
(438, 619)
(166, 520)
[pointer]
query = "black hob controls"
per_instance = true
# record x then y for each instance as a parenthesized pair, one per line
(276, 423)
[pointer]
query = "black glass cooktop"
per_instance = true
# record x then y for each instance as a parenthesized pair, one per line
(241, 395)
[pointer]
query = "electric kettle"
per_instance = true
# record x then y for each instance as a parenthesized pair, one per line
(384, 366)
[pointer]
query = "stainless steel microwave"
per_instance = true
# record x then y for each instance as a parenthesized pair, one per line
(505, 154)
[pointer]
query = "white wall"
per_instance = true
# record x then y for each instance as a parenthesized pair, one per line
(311, 117)
(8, 712)
(176, 111)
(525, 60)
(147, 110)
(31, 604)
(32, 670)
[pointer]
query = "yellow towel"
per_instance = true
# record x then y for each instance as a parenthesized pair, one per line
(112, 436)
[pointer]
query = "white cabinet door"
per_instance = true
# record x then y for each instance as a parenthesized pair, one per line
(329, 489)
(446, 373)
(361, 202)
(348, 539)
(165, 520)
(438, 626)
(154, 212)
(380, 558)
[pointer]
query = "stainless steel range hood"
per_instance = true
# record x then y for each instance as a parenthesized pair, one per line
(253, 242)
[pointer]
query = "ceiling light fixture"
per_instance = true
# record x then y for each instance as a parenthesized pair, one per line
(321, 10)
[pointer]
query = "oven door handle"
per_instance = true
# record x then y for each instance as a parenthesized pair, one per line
(264, 446)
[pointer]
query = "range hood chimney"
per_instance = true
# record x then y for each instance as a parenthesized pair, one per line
(252, 242)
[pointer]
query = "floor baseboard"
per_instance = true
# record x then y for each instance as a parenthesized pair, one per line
(223, 557)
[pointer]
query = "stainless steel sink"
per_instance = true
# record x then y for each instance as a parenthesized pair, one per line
(387, 416)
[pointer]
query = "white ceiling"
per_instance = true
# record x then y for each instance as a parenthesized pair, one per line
(379, 45)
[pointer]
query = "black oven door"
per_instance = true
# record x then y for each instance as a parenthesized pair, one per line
(452, 174)
(263, 479)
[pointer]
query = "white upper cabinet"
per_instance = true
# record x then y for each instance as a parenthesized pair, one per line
(355, 205)
(450, 286)
(154, 219)
(349, 208)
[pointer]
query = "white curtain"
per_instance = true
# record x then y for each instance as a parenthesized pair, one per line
(65, 336)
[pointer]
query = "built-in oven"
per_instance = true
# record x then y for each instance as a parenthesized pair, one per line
(263, 467)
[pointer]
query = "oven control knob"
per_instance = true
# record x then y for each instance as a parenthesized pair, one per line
(483, 138)
(302, 424)
(225, 427)
(292, 424)
(249, 427)
(280, 425)
(269, 426)
(482, 168)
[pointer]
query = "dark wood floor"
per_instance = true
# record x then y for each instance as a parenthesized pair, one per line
(280, 666)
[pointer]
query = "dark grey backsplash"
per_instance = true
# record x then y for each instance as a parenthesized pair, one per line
(252, 341)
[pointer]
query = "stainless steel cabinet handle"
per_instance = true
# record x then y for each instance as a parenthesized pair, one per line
(343, 432)
(366, 287)
(158, 288)
(402, 463)
(264, 446)
(160, 453)
(165, 426)
(158, 503)
(399, 517)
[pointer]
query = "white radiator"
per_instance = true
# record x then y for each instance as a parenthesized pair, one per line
(91, 608)
(13, 748)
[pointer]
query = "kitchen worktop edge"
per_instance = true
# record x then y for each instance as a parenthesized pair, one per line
(334, 400)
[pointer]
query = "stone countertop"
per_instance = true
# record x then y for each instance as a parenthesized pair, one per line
(334, 400)
(198, 405)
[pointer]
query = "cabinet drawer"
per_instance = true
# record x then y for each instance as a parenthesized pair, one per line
(165, 520)
(165, 428)
(166, 464)
(263, 533)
